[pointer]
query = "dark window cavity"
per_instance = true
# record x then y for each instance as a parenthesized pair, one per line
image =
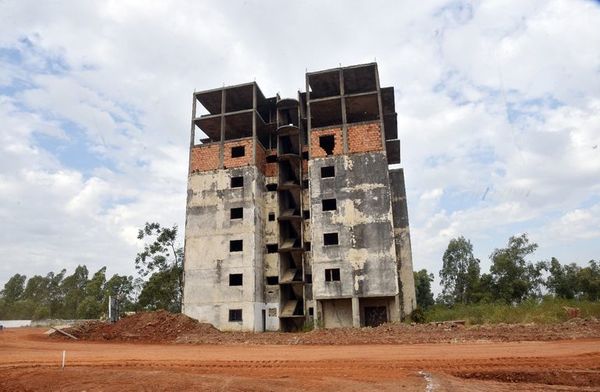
(272, 280)
(327, 171)
(271, 216)
(305, 184)
(238, 151)
(304, 154)
(271, 187)
(327, 143)
(271, 158)
(236, 279)
(330, 239)
(311, 311)
(237, 213)
(332, 275)
(308, 278)
(307, 246)
(329, 204)
(235, 314)
(306, 214)
(272, 248)
(236, 245)
(237, 182)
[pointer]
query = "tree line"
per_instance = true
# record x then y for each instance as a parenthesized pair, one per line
(84, 296)
(512, 278)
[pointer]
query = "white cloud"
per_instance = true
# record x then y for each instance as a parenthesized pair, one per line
(497, 101)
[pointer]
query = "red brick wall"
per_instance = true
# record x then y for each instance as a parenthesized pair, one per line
(261, 155)
(365, 137)
(317, 151)
(246, 160)
(204, 157)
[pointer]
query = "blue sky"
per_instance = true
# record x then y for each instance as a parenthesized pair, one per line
(498, 110)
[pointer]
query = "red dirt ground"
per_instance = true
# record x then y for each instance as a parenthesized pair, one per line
(30, 361)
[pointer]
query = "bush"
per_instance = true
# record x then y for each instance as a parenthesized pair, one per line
(418, 316)
(546, 311)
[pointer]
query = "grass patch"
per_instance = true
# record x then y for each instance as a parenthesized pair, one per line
(547, 311)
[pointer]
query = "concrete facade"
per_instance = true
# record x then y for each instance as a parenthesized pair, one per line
(293, 215)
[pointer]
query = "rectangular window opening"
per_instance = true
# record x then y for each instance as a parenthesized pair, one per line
(238, 151)
(236, 213)
(304, 154)
(271, 187)
(272, 248)
(237, 182)
(311, 311)
(272, 280)
(307, 246)
(306, 214)
(308, 278)
(327, 171)
(236, 245)
(236, 279)
(332, 275)
(330, 239)
(329, 204)
(271, 216)
(327, 143)
(271, 159)
(235, 314)
(305, 184)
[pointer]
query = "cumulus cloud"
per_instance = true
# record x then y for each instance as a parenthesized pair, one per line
(497, 101)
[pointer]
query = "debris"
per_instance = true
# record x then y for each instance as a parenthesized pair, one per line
(64, 333)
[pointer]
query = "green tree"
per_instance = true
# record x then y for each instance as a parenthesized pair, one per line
(589, 281)
(460, 272)
(73, 287)
(563, 281)
(423, 292)
(14, 288)
(162, 259)
(93, 305)
(121, 287)
(513, 278)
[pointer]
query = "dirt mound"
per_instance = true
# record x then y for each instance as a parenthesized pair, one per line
(159, 326)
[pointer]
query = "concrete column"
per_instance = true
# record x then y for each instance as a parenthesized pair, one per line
(355, 313)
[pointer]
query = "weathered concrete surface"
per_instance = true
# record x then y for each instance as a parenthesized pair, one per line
(402, 241)
(366, 254)
(207, 294)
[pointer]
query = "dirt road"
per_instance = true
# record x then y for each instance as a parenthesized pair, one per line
(29, 360)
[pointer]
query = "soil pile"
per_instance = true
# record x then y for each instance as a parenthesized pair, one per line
(159, 326)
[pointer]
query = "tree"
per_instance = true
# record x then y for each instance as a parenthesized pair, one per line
(14, 288)
(589, 281)
(563, 281)
(162, 259)
(423, 292)
(73, 287)
(513, 279)
(460, 272)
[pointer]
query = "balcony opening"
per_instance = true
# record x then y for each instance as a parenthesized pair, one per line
(327, 143)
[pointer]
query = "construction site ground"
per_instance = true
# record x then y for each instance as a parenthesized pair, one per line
(440, 358)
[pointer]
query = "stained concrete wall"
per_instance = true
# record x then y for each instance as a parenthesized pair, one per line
(207, 294)
(366, 254)
(402, 242)
(336, 313)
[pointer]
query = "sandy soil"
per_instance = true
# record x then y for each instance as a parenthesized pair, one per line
(30, 361)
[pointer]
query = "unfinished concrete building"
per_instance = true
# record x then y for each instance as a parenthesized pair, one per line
(294, 217)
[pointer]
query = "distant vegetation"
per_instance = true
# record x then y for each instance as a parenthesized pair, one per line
(515, 290)
(79, 296)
